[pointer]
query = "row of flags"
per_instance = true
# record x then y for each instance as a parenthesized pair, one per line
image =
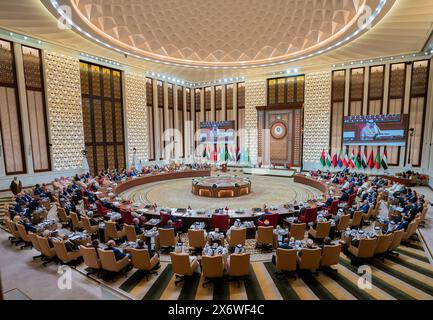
(222, 153)
(359, 161)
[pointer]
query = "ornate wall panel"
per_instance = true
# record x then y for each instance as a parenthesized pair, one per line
(136, 115)
(317, 113)
(255, 95)
(65, 112)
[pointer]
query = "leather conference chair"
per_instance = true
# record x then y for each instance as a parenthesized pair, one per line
(167, 238)
(64, 219)
(356, 220)
(141, 261)
(221, 222)
(126, 216)
(69, 258)
(423, 216)
(272, 219)
(197, 239)
(383, 244)
(92, 230)
(364, 251)
(366, 216)
(91, 260)
(101, 209)
(286, 261)
(110, 266)
(165, 217)
(213, 268)
(16, 238)
(35, 244)
(310, 215)
(48, 252)
(265, 236)
(76, 223)
(237, 236)
(238, 266)
(375, 211)
(333, 208)
(309, 259)
(131, 234)
(297, 230)
(46, 205)
(111, 231)
(182, 267)
(410, 231)
(397, 236)
(322, 230)
(24, 236)
(343, 223)
(330, 257)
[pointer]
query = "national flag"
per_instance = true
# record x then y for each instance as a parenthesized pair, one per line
(364, 159)
(335, 159)
(346, 159)
(385, 160)
(377, 160)
(248, 155)
(323, 158)
(358, 159)
(352, 159)
(340, 159)
(238, 154)
(328, 159)
(204, 152)
(371, 160)
(226, 153)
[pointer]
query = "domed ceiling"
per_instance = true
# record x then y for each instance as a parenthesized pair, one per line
(223, 33)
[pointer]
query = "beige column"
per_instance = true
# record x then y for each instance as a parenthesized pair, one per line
(157, 146)
(223, 103)
(212, 103)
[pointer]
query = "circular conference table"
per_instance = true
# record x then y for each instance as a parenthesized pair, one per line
(190, 217)
(221, 186)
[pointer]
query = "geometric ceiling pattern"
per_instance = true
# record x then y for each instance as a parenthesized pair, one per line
(220, 32)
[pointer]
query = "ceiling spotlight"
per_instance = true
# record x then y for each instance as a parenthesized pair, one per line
(11, 34)
(288, 71)
(25, 38)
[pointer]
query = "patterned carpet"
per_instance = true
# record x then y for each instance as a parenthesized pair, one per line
(265, 190)
(407, 277)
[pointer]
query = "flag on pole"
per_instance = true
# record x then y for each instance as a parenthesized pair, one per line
(226, 153)
(358, 159)
(238, 154)
(371, 160)
(340, 159)
(385, 160)
(204, 152)
(346, 159)
(364, 159)
(335, 159)
(323, 158)
(377, 160)
(352, 159)
(248, 155)
(328, 159)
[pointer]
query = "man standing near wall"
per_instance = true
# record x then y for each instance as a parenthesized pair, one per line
(16, 186)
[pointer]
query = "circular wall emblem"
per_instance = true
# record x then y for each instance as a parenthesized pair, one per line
(278, 130)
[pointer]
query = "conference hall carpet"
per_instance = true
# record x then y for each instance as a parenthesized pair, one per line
(407, 277)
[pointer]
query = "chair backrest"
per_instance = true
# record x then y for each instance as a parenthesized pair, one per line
(330, 255)
(86, 224)
(126, 216)
(90, 257)
(323, 229)
(181, 264)
(286, 259)
(356, 219)
(102, 210)
(108, 260)
(310, 214)
(366, 248)
(239, 264)
(167, 237)
(196, 238)
(310, 259)
(397, 236)
(34, 239)
(334, 207)
(140, 259)
(272, 218)
(212, 266)
(61, 213)
(238, 236)
(424, 213)
(383, 243)
(131, 235)
(164, 218)
(46, 205)
(22, 231)
(411, 229)
(221, 221)
(297, 230)
(343, 223)
(44, 245)
(367, 215)
(265, 235)
(75, 222)
(60, 248)
(13, 229)
(351, 199)
(110, 229)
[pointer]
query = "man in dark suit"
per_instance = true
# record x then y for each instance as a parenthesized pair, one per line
(16, 186)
